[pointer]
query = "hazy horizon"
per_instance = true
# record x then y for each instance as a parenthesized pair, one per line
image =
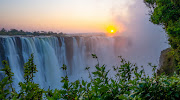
(90, 16)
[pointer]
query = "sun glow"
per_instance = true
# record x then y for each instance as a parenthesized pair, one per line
(111, 30)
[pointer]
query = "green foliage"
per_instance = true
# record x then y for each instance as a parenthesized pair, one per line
(29, 69)
(6, 89)
(29, 90)
(129, 82)
(167, 14)
(21, 32)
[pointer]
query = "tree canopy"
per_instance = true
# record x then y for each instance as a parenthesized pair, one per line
(167, 14)
(3, 31)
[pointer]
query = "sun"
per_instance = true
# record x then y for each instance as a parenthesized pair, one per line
(111, 30)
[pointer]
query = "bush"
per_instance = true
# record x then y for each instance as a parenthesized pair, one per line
(127, 83)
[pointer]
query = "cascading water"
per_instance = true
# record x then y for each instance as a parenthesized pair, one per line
(50, 53)
(48, 57)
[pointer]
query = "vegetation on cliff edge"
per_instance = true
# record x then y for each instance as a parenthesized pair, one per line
(167, 14)
(21, 32)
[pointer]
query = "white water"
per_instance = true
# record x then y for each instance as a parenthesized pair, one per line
(50, 53)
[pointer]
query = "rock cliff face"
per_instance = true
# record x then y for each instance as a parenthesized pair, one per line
(163, 55)
(166, 62)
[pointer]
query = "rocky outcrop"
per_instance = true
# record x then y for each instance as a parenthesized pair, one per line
(167, 62)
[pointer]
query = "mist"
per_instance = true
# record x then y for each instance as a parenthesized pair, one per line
(148, 40)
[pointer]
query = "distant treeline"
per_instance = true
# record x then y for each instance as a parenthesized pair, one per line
(21, 32)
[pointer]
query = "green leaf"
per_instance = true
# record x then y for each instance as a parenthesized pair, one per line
(177, 95)
(122, 97)
(88, 85)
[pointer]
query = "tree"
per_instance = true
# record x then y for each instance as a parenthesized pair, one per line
(14, 30)
(167, 14)
(29, 89)
(6, 89)
(3, 30)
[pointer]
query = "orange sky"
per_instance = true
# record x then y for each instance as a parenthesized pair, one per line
(70, 16)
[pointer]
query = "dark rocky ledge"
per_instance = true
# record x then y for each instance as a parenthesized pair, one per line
(167, 62)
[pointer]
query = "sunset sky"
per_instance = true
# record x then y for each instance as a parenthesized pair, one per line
(64, 15)
(76, 16)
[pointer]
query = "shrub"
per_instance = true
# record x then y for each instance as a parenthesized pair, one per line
(128, 83)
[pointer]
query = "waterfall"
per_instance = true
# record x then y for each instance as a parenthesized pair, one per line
(48, 57)
(51, 52)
